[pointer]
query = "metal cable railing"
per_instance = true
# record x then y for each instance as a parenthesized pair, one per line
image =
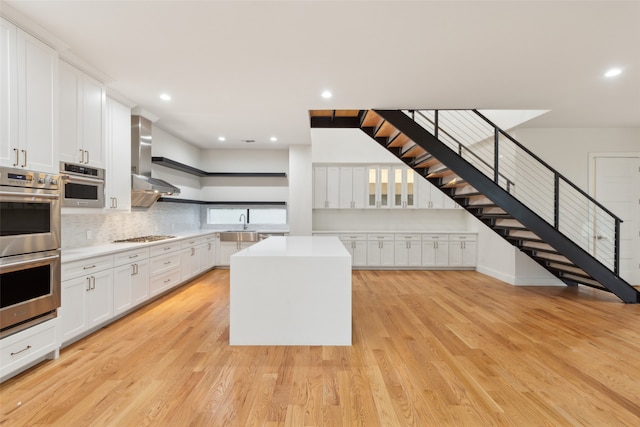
(528, 178)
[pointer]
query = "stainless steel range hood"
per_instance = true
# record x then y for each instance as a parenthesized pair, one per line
(145, 190)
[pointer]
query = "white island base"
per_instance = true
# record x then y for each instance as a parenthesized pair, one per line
(291, 290)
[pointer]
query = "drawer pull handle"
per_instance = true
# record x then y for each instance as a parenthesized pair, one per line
(167, 248)
(89, 266)
(167, 281)
(167, 263)
(21, 351)
(133, 256)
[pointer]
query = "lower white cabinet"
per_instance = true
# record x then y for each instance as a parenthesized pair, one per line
(356, 244)
(87, 301)
(435, 250)
(408, 250)
(164, 272)
(208, 253)
(22, 349)
(463, 250)
(191, 258)
(130, 279)
(226, 249)
(380, 250)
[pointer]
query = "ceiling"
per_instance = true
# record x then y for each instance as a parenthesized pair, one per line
(253, 69)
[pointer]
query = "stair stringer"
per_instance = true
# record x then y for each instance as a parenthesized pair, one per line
(511, 205)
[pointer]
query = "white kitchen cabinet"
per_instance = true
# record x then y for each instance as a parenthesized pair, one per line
(131, 279)
(87, 301)
(20, 350)
(463, 250)
(82, 117)
(431, 197)
(28, 101)
(408, 250)
(352, 187)
(118, 144)
(403, 187)
(356, 244)
(379, 186)
(326, 187)
(380, 250)
(435, 250)
(191, 257)
(208, 253)
(226, 249)
(164, 267)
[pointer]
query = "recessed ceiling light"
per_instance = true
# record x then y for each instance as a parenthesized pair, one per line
(327, 94)
(165, 97)
(222, 138)
(273, 139)
(613, 72)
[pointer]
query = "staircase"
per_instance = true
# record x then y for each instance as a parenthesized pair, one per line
(504, 185)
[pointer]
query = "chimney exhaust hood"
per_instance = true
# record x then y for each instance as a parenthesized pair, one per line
(145, 190)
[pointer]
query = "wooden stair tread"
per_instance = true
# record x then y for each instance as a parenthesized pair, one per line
(414, 151)
(400, 140)
(371, 119)
(385, 130)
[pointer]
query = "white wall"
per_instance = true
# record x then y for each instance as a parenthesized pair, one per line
(245, 189)
(347, 146)
(166, 145)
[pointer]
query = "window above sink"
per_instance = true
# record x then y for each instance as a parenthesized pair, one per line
(254, 215)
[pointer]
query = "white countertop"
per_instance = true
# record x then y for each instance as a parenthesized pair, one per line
(75, 254)
(296, 246)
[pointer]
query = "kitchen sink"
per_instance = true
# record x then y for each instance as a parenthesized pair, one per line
(239, 236)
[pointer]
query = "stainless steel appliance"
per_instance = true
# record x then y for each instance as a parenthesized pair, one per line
(145, 190)
(29, 248)
(82, 186)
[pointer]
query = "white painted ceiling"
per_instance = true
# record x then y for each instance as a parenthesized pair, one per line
(253, 69)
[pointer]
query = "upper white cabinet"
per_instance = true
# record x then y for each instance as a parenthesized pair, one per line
(326, 187)
(82, 117)
(403, 188)
(118, 138)
(28, 101)
(352, 187)
(430, 197)
(378, 186)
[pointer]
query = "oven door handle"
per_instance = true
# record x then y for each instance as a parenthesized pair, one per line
(28, 195)
(34, 262)
(81, 179)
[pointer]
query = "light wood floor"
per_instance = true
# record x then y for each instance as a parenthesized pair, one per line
(430, 348)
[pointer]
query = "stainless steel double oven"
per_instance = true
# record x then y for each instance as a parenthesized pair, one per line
(29, 248)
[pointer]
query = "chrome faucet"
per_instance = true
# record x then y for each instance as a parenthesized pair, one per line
(243, 218)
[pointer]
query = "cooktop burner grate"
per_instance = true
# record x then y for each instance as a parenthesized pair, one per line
(143, 239)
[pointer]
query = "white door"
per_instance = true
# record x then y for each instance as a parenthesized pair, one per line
(617, 186)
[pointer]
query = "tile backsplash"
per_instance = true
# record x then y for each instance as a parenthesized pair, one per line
(80, 230)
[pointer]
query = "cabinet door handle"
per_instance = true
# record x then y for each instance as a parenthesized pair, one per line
(24, 165)
(193, 251)
(81, 156)
(21, 351)
(87, 157)
(17, 152)
(88, 283)
(93, 282)
(133, 269)
(209, 246)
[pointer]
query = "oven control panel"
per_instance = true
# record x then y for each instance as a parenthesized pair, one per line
(28, 179)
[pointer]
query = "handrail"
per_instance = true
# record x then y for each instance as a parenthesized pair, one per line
(562, 205)
(461, 146)
(545, 164)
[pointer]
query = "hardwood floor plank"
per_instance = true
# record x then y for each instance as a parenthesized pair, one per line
(429, 348)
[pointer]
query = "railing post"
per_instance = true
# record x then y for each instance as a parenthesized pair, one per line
(616, 248)
(556, 200)
(496, 155)
(435, 124)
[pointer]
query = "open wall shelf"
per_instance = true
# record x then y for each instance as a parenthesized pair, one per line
(172, 164)
(206, 202)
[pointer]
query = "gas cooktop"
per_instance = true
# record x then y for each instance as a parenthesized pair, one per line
(143, 239)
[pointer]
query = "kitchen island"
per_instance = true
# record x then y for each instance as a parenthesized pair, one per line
(293, 290)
